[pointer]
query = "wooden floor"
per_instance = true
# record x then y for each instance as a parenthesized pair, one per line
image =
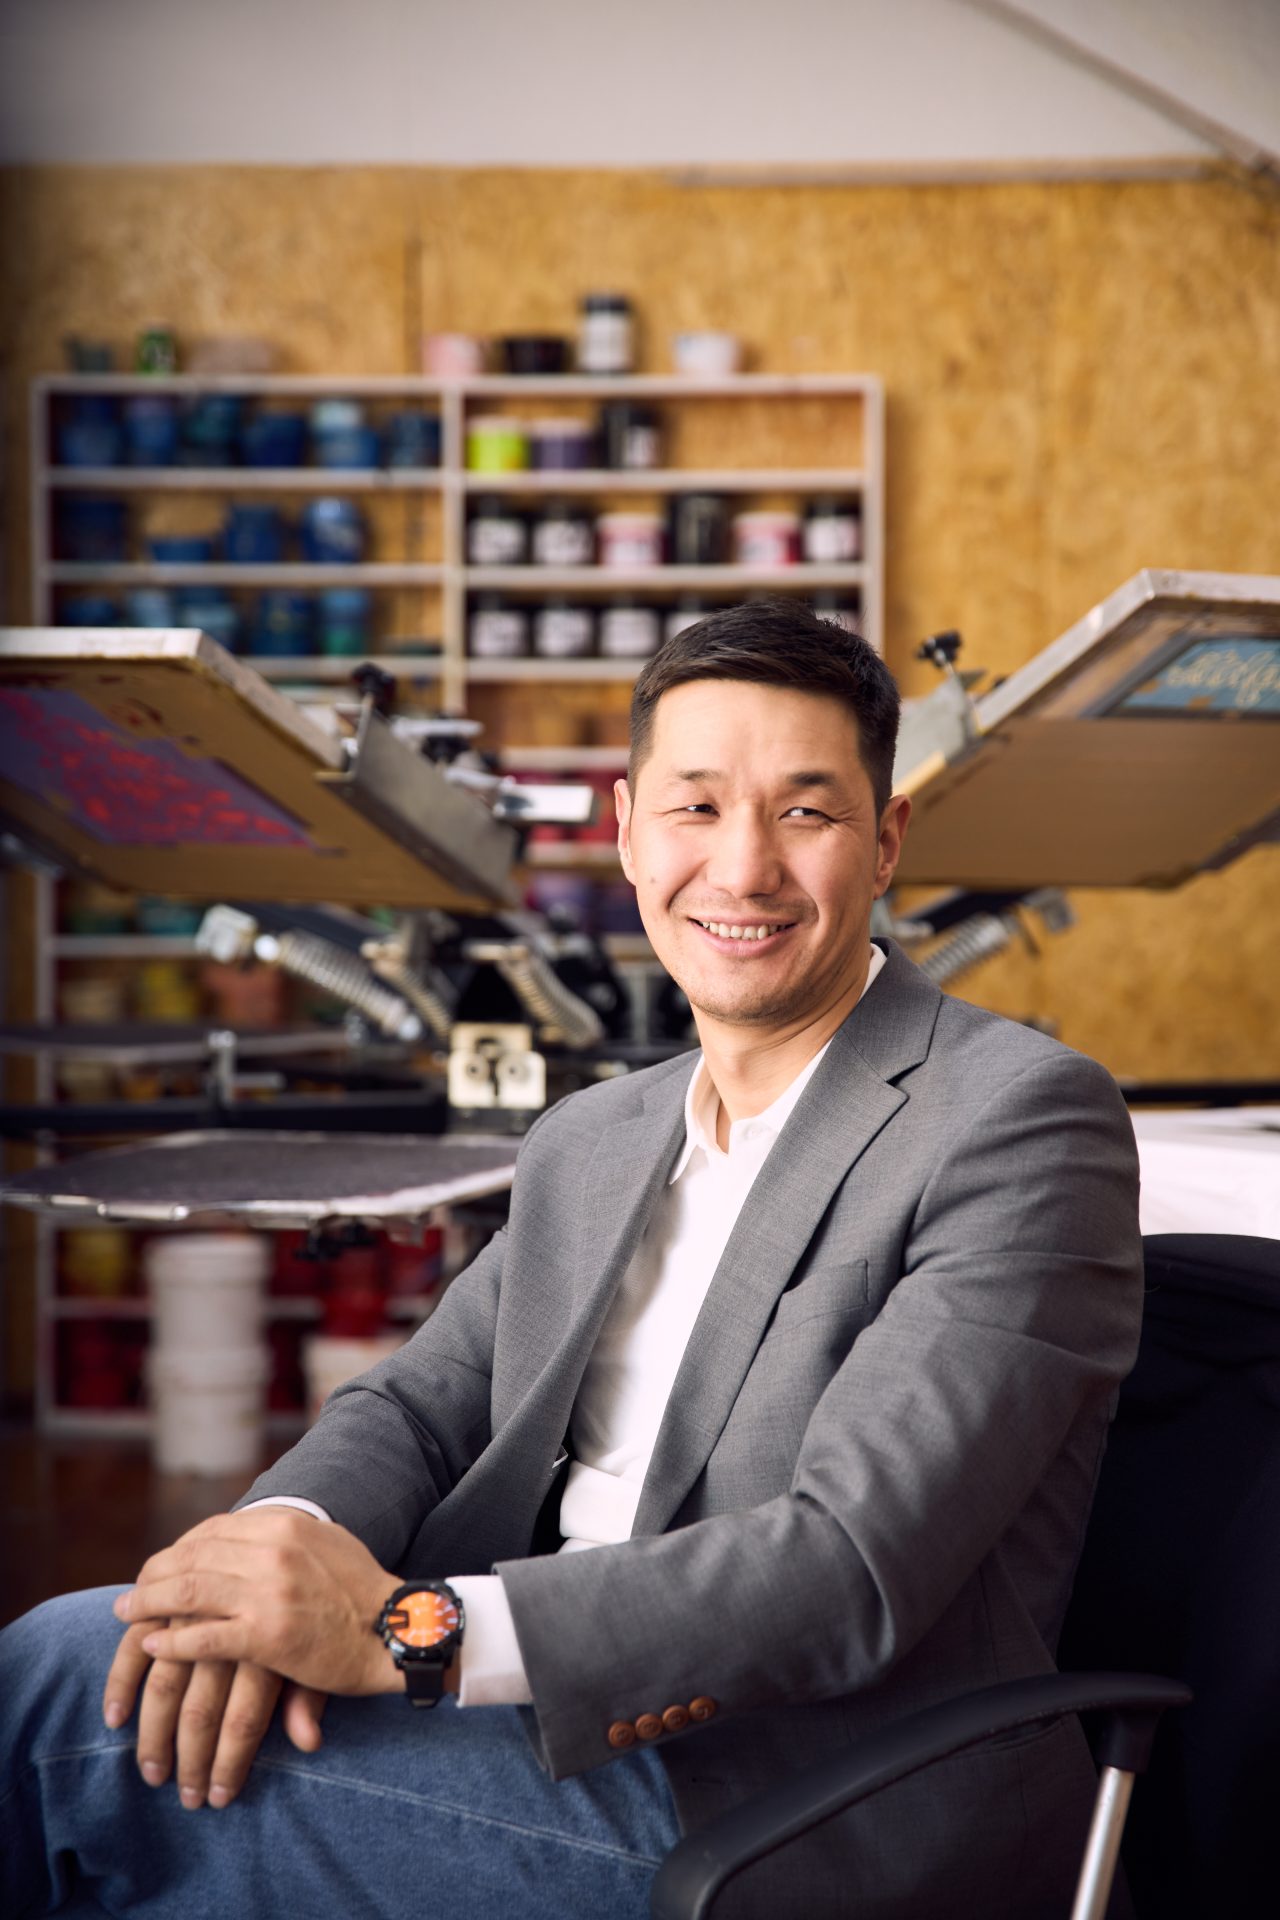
(85, 1513)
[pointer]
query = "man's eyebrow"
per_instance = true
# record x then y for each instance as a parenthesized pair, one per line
(806, 777)
(818, 777)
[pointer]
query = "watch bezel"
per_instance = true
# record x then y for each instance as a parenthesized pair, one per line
(406, 1655)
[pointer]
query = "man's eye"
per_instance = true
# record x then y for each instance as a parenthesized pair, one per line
(698, 806)
(804, 813)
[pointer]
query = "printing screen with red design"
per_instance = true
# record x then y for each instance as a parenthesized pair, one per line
(129, 791)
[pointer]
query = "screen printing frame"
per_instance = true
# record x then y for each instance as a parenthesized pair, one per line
(166, 722)
(1068, 780)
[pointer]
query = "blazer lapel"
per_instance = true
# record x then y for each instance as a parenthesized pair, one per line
(629, 1167)
(850, 1098)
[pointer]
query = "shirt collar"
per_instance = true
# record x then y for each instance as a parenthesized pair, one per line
(702, 1102)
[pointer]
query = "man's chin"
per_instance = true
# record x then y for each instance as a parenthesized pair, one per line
(743, 1004)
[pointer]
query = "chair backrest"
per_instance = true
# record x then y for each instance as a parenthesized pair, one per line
(1180, 1573)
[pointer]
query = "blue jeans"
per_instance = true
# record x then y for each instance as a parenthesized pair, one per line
(400, 1813)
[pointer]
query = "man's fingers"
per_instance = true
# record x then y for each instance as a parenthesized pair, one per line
(184, 1593)
(162, 1698)
(128, 1669)
(200, 1722)
(303, 1707)
(246, 1717)
(199, 1640)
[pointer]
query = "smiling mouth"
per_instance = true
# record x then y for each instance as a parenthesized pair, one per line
(746, 933)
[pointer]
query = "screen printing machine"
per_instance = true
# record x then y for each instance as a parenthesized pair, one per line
(1138, 749)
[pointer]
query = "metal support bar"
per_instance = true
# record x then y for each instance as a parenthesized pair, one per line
(1098, 1869)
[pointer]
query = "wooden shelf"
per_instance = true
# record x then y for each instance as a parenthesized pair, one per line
(564, 759)
(332, 666)
(365, 386)
(577, 386)
(142, 573)
(244, 479)
(571, 853)
(661, 579)
(840, 480)
(665, 386)
(536, 669)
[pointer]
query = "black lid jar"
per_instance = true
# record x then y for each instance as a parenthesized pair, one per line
(631, 436)
(564, 536)
(497, 534)
(564, 632)
(497, 630)
(606, 334)
(832, 532)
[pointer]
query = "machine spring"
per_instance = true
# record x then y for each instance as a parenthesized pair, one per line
(560, 1012)
(399, 974)
(325, 965)
(978, 939)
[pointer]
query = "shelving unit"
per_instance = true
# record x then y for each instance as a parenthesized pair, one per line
(853, 402)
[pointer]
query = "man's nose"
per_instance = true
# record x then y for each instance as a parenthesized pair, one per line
(745, 861)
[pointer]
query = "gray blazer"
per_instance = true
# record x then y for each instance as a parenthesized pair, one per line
(873, 1474)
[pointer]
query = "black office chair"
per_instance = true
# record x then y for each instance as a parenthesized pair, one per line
(1180, 1573)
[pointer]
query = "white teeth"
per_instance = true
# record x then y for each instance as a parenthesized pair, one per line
(724, 932)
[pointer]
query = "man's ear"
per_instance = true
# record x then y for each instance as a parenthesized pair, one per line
(622, 801)
(893, 829)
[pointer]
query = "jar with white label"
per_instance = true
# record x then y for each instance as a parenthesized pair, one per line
(497, 630)
(606, 334)
(563, 632)
(630, 539)
(563, 536)
(497, 535)
(832, 533)
(766, 539)
(629, 632)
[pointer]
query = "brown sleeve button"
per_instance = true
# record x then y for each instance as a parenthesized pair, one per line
(648, 1726)
(702, 1708)
(622, 1734)
(676, 1719)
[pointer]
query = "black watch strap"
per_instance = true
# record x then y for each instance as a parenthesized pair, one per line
(424, 1681)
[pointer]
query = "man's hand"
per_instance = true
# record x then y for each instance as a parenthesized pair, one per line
(274, 1588)
(218, 1711)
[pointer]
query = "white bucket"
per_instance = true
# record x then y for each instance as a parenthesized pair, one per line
(207, 1290)
(209, 1409)
(328, 1361)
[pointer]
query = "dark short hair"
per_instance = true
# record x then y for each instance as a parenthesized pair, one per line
(778, 643)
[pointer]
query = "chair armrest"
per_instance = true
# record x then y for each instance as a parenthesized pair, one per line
(697, 1868)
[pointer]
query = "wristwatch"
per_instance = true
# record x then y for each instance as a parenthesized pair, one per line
(421, 1625)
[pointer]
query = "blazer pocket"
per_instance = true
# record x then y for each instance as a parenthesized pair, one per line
(835, 1288)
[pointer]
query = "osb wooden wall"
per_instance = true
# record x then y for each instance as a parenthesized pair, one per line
(1082, 380)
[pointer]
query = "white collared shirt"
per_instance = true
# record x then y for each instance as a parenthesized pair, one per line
(629, 1376)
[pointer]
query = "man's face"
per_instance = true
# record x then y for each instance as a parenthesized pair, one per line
(755, 850)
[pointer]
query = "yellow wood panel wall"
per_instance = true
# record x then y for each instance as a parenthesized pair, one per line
(1083, 379)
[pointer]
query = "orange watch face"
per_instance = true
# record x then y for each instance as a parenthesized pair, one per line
(423, 1619)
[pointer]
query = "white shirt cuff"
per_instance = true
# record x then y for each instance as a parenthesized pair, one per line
(289, 1500)
(491, 1672)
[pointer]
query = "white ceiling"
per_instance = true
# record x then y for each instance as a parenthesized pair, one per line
(1213, 63)
(875, 84)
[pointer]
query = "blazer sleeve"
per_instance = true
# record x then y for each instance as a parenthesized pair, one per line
(1018, 1309)
(391, 1443)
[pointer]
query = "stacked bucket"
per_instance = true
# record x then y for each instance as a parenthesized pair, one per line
(209, 1362)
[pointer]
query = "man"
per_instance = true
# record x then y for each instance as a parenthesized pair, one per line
(812, 1341)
